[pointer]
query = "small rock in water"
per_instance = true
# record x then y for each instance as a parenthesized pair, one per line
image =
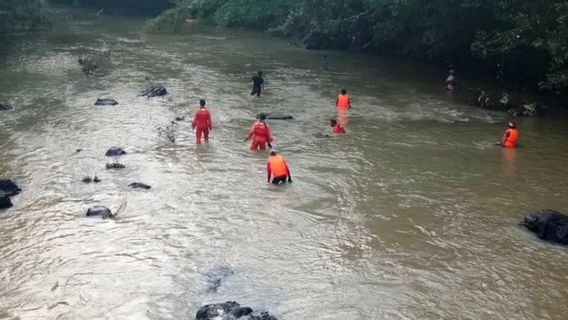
(5, 201)
(180, 118)
(87, 180)
(96, 179)
(114, 152)
(230, 310)
(276, 116)
(548, 225)
(78, 150)
(115, 166)
(101, 211)
(154, 91)
(139, 185)
(9, 187)
(106, 102)
(5, 106)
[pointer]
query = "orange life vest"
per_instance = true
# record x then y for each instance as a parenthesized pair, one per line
(277, 166)
(511, 137)
(343, 101)
(202, 118)
(260, 129)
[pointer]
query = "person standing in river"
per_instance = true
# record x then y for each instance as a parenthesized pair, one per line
(277, 168)
(324, 63)
(260, 134)
(451, 81)
(511, 136)
(257, 84)
(202, 123)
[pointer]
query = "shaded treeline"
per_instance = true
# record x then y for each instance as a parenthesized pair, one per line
(522, 42)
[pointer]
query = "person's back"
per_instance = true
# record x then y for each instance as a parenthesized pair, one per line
(511, 136)
(202, 123)
(260, 134)
(277, 168)
(343, 100)
(257, 84)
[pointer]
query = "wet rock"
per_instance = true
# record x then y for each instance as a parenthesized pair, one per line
(5, 201)
(9, 187)
(139, 185)
(78, 150)
(525, 110)
(154, 91)
(87, 180)
(548, 225)
(99, 211)
(96, 179)
(276, 116)
(230, 310)
(216, 277)
(180, 118)
(321, 135)
(115, 166)
(5, 106)
(115, 152)
(106, 102)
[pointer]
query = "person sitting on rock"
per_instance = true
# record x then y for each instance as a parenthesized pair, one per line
(511, 136)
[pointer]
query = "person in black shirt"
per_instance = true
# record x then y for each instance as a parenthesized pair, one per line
(257, 84)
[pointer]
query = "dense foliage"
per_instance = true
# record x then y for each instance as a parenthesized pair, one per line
(21, 14)
(525, 41)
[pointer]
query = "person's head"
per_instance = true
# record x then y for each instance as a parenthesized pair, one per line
(259, 73)
(452, 71)
(512, 125)
(343, 91)
(262, 117)
(202, 103)
(333, 122)
(273, 152)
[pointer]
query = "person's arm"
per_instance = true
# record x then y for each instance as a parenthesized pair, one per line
(269, 133)
(288, 172)
(194, 123)
(268, 171)
(209, 122)
(250, 134)
(505, 136)
(337, 101)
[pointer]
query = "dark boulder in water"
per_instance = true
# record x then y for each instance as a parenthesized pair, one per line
(99, 211)
(154, 91)
(115, 166)
(5, 201)
(9, 187)
(139, 185)
(230, 310)
(106, 102)
(5, 106)
(276, 116)
(115, 152)
(548, 225)
(216, 277)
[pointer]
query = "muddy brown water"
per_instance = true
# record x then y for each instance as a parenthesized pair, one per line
(412, 215)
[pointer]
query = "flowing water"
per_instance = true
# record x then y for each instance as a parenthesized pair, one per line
(411, 215)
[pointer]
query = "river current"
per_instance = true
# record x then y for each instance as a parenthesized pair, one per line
(411, 215)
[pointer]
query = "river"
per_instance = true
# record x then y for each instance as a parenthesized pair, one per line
(411, 215)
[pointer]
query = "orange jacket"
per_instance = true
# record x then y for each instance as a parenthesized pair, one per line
(510, 138)
(202, 119)
(260, 131)
(343, 101)
(276, 166)
(338, 129)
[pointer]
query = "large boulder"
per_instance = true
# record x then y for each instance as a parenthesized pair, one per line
(9, 187)
(5, 201)
(115, 152)
(230, 310)
(548, 225)
(154, 91)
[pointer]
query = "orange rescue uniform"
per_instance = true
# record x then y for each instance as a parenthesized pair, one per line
(343, 101)
(260, 135)
(202, 124)
(510, 138)
(277, 167)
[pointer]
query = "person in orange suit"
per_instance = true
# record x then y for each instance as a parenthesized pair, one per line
(277, 168)
(202, 123)
(260, 134)
(511, 136)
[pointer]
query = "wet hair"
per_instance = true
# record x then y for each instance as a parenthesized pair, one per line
(202, 102)
(333, 122)
(262, 116)
(343, 91)
(259, 73)
(512, 125)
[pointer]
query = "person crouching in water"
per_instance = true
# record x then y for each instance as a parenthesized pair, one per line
(260, 134)
(277, 168)
(202, 123)
(511, 136)
(336, 127)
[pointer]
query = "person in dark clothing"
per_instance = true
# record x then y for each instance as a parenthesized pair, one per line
(257, 84)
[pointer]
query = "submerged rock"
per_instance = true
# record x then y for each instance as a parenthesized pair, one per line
(88, 179)
(230, 310)
(106, 102)
(115, 152)
(9, 187)
(154, 91)
(5, 201)
(525, 110)
(548, 225)
(115, 166)
(5, 106)
(216, 277)
(276, 116)
(99, 211)
(139, 185)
